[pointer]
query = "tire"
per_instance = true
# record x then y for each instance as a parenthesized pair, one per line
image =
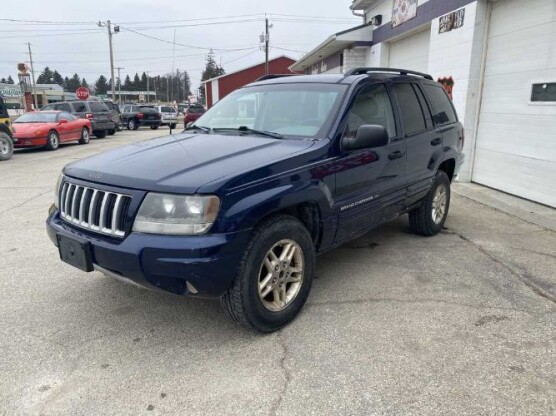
(52, 141)
(173, 126)
(428, 219)
(111, 132)
(259, 311)
(132, 124)
(85, 136)
(154, 127)
(6, 146)
(119, 126)
(101, 134)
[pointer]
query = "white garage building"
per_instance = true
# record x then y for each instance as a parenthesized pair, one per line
(498, 57)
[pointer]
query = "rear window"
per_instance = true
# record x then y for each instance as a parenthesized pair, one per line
(98, 107)
(79, 107)
(167, 110)
(442, 109)
(195, 110)
(48, 107)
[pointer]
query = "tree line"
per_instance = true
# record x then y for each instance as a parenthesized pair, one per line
(8, 80)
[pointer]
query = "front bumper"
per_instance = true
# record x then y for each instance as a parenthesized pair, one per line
(203, 266)
(20, 141)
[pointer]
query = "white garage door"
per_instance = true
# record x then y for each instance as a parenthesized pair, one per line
(516, 140)
(411, 52)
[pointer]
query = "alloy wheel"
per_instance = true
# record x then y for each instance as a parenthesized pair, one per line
(4, 146)
(439, 203)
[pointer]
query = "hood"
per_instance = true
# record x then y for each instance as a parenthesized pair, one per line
(27, 128)
(182, 163)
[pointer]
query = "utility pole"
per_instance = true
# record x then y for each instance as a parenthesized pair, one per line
(108, 25)
(33, 75)
(148, 88)
(119, 85)
(173, 62)
(267, 41)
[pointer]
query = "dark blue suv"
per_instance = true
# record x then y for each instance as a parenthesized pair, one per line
(238, 205)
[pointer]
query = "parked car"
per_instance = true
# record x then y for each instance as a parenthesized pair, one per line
(95, 111)
(6, 135)
(135, 116)
(277, 172)
(115, 113)
(192, 113)
(168, 115)
(50, 128)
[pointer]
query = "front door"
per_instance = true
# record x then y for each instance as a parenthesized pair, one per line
(370, 183)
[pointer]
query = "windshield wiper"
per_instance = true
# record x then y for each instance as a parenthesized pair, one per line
(206, 130)
(245, 129)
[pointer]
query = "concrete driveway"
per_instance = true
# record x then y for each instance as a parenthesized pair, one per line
(461, 323)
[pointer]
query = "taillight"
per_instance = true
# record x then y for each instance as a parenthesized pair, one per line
(89, 116)
(140, 115)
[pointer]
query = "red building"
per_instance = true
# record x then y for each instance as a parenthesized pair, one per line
(217, 88)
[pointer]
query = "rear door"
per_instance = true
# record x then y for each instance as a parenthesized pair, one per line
(100, 111)
(423, 141)
(79, 109)
(370, 183)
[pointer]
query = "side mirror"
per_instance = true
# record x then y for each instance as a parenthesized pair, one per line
(367, 137)
(63, 121)
(189, 124)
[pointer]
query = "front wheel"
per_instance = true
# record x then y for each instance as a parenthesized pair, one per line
(84, 136)
(428, 219)
(52, 141)
(154, 127)
(112, 132)
(274, 277)
(132, 124)
(6, 146)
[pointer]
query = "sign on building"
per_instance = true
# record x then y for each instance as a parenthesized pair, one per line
(403, 11)
(451, 21)
(10, 91)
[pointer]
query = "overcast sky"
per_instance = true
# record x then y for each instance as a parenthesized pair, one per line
(83, 48)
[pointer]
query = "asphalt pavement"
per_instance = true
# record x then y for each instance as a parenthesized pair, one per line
(463, 323)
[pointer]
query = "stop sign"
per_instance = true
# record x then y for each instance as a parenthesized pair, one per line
(82, 93)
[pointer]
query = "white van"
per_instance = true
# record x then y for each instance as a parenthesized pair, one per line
(168, 115)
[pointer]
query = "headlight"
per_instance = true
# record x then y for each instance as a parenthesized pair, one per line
(57, 189)
(176, 214)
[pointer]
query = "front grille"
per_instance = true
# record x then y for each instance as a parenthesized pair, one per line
(100, 211)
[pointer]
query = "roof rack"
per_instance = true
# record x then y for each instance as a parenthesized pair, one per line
(272, 76)
(363, 70)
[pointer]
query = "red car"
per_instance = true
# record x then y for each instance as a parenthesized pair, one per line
(192, 113)
(49, 129)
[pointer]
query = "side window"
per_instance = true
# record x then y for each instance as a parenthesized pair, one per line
(48, 107)
(410, 108)
(442, 109)
(63, 107)
(79, 107)
(134, 109)
(372, 106)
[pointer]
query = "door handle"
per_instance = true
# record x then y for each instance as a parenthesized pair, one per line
(437, 141)
(396, 155)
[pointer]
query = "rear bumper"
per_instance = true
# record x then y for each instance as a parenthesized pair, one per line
(143, 122)
(103, 125)
(20, 142)
(203, 266)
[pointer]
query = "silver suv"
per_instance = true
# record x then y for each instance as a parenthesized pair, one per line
(168, 115)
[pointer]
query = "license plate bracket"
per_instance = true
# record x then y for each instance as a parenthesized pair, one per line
(75, 253)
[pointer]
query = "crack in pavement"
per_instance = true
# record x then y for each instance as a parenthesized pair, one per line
(523, 276)
(285, 371)
(412, 301)
(25, 202)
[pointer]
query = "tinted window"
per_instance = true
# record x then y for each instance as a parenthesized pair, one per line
(372, 106)
(79, 107)
(544, 92)
(134, 109)
(63, 107)
(48, 107)
(410, 108)
(66, 116)
(442, 110)
(98, 107)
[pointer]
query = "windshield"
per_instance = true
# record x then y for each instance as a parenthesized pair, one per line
(37, 117)
(294, 109)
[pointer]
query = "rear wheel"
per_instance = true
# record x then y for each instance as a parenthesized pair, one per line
(6, 146)
(111, 132)
(52, 141)
(132, 124)
(428, 219)
(274, 277)
(101, 134)
(154, 127)
(85, 138)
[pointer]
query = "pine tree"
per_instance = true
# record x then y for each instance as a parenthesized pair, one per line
(143, 83)
(74, 83)
(3, 81)
(136, 82)
(10, 80)
(128, 86)
(101, 86)
(186, 84)
(57, 78)
(46, 77)
(212, 70)
(84, 83)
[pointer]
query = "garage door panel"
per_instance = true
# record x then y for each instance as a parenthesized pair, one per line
(411, 52)
(516, 139)
(529, 178)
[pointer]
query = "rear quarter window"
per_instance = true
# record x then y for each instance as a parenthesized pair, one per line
(442, 109)
(79, 107)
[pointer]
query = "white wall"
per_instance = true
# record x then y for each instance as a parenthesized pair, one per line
(384, 7)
